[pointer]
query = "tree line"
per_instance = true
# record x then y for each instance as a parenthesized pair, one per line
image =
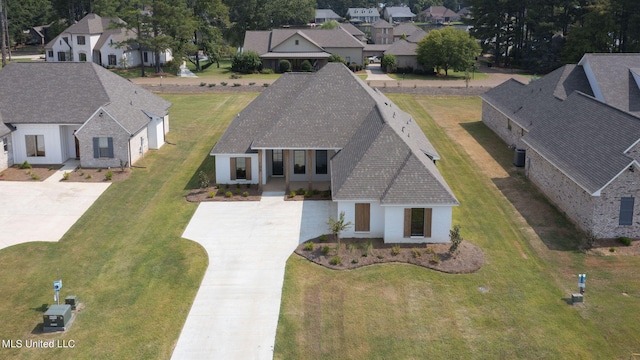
(540, 35)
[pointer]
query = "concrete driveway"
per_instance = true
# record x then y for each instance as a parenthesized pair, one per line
(235, 313)
(43, 211)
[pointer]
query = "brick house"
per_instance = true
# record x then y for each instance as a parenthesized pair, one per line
(580, 128)
(53, 112)
(331, 129)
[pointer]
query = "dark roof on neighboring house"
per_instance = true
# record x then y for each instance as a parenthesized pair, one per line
(351, 29)
(412, 32)
(382, 23)
(70, 92)
(326, 14)
(376, 47)
(399, 12)
(439, 12)
(587, 140)
(614, 80)
(402, 48)
(263, 42)
(383, 155)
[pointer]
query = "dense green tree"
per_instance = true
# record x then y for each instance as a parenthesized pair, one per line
(388, 62)
(25, 14)
(447, 49)
(211, 17)
(328, 25)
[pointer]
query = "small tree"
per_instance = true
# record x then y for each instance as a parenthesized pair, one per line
(337, 226)
(337, 58)
(388, 62)
(247, 62)
(284, 66)
(306, 65)
(328, 25)
(455, 238)
(204, 179)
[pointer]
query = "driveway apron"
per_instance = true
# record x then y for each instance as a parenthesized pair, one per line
(235, 313)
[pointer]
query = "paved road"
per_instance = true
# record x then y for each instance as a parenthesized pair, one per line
(235, 313)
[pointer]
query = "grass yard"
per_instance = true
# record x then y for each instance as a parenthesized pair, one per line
(124, 259)
(213, 72)
(515, 307)
(453, 75)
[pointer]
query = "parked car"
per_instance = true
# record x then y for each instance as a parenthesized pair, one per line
(373, 59)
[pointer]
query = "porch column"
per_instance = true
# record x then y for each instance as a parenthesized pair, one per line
(259, 169)
(309, 174)
(286, 171)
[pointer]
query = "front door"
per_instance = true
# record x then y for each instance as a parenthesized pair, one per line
(277, 163)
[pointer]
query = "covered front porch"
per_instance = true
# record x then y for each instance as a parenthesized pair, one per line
(292, 169)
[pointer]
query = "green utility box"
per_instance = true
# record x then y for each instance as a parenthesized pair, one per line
(57, 318)
(71, 300)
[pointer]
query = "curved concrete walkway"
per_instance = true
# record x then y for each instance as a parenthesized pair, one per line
(235, 313)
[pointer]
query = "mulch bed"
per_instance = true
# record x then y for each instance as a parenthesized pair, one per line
(354, 253)
(605, 247)
(97, 175)
(36, 173)
(213, 193)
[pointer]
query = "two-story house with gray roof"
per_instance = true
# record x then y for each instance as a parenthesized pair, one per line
(97, 39)
(580, 128)
(53, 112)
(329, 126)
(298, 45)
(363, 15)
(398, 14)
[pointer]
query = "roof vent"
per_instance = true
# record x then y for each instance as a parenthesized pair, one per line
(394, 114)
(402, 129)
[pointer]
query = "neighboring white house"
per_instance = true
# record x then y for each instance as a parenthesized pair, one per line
(395, 14)
(52, 112)
(96, 39)
(331, 131)
(363, 15)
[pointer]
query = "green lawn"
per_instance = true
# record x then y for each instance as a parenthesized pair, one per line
(213, 72)
(453, 75)
(124, 258)
(513, 308)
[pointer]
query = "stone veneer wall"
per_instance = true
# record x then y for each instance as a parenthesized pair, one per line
(563, 192)
(499, 123)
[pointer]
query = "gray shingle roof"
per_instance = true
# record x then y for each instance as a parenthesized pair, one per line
(399, 11)
(382, 23)
(439, 12)
(402, 47)
(263, 42)
(405, 28)
(614, 78)
(326, 14)
(586, 139)
(351, 29)
(69, 93)
(93, 24)
(384, 154)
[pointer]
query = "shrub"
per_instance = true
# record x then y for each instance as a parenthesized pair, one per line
(172, 67)
(434, 259)
(252, 83)
(395, 250)
(228, 194)
(266, 71)
(456, 239)
(335, 260)
(203, 84)
(325, 250)
(292, 194)
(212, 85)
(108, 175)
(300, 191)
(367, 248)
(404, 70)
(306, 65)
(429, 250)
(224, 83)
(25, 165)
(323, 238)
(65, 176)
(337, 58)
(612, 249)
(248, 62)
(89, 176)
(352, 247)
(235, 76)
(203, 179)
(35, 177)
(100, 170)
(284, 66)
(624, 240)
(308, 246)
(315, 191)
(326, 194)
(236, 84)
(388, 63)
(245, 194)
(308, 194)
(236, 191)
(212, 194)
(416, 253)
(265, 85)
(380, 256)
(355, 261)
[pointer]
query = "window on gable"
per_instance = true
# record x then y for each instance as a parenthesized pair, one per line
(297, 42)
(62, 56)
(80, 40)
(35, 145)
(626, 211)
(112, 60)
(299, 162)
(102, 147)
